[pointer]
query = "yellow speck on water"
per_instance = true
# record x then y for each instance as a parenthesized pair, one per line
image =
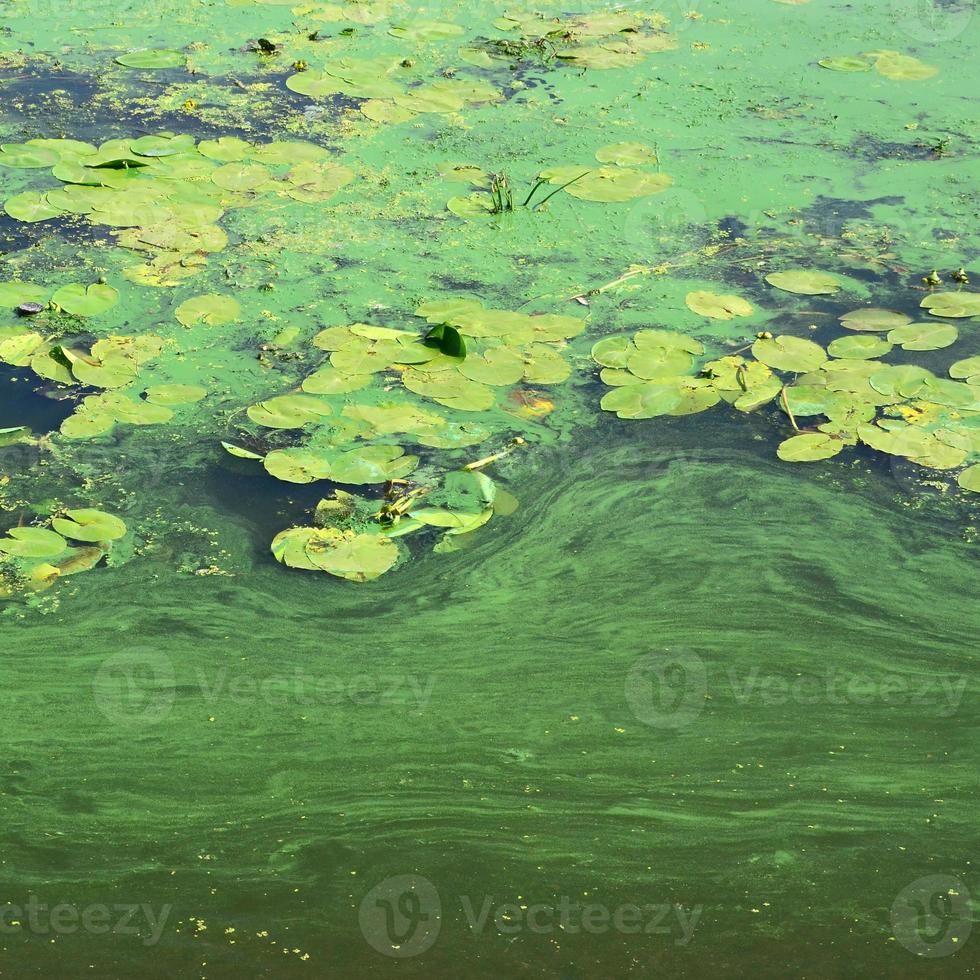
(619, 730)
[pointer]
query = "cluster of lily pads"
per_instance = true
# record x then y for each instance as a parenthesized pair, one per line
(846, 394)
(35, 556)
(465, 360)
(603, 39)
(353, 539)
(164, 194)
(111, 363)
(617, 182)
(386, 86)
(891, 64)
(392, 92)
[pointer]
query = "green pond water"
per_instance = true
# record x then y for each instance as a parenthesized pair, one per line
(689, 697)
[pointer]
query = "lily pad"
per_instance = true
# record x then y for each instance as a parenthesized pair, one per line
(969, 479)
(211, 309)
(952, 304)
(787, 353)
(86, 300)
(874, 320)
(30, 206)
(845, 63)
(159, 58)
(806, 282)
(860, 347)
(174, 394)
(358, 557)
(809, 447)
(88, 524)
(32, 542)
(969, 368)
(924, 336)
(717, 306)
(626, 154)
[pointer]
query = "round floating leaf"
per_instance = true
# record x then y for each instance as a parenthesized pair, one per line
(86, 300)
(30, 206)
(969, 479)
(32, 542)
(899, 380)
(27, 157)
(901, 67)
(330, 381)
(371, 464)
(88, 524)
(86, 425)
(860, 347)
(498, 366)
(924, 336)
(16, 293)
(296, 465)
(211, 309)
(607, 184)
(809, 447)
(845, 63)
(625, 154)
(659, 362)
(969, 368)
(476, 205)
(642, 401)
(543, 365)
(646, 340)
(717, 306)
(241, 176)
(613, 352)
(874, 320)
(806, 282)
(951, 304)
(227, 149)
(161, 146)
(383, 111)
(175, 394)
(450, 389)
(289, 547)
(160, 58)
(288, 411)
(788, 353)
(20, 348)
(358, 557)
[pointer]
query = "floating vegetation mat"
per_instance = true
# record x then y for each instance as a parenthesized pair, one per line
(398, 255)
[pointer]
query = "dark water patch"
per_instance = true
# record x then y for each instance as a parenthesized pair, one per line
(23, 402)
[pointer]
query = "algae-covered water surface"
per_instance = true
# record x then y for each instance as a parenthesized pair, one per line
(489, 489)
